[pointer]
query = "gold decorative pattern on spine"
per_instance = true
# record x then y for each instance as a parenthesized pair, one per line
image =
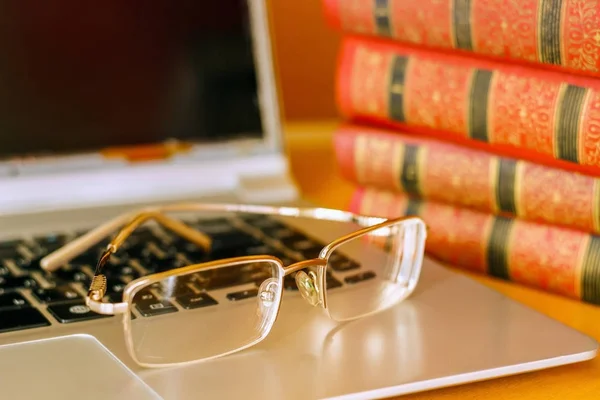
(580, 38)
(556, 116)
(397, 162)
(469, 110)
(370, 73)
(493, 177)
(491, 115)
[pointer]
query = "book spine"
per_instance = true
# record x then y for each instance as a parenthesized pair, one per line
(434, 170)
(536, 112)
(550, 258)
(555, 33)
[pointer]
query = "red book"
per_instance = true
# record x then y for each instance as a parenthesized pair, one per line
(547, 257)
(435, 170)
(544, 116)
(557, 34)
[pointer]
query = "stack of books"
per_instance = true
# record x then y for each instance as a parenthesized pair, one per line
(483, 118)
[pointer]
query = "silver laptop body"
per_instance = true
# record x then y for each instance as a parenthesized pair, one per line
(452, 330)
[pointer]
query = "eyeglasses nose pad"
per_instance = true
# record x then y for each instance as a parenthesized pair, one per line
(267, 294)
(307, 286)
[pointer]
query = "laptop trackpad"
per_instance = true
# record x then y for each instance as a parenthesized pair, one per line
(68, 367)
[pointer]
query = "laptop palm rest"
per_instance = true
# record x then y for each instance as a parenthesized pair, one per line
(67, 367)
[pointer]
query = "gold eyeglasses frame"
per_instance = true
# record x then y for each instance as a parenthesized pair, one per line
(311, 286)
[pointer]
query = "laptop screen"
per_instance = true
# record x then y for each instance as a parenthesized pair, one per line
(78, 77)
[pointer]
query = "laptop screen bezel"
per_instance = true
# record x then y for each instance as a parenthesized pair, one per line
(269, 141)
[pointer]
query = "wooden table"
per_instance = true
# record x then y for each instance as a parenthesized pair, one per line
(310, 148)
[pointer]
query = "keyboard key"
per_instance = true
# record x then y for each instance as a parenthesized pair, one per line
(51, 242)
(224, 235)
(191, 251)
(262, 249)
(244, 294)
(215, 226)
(68, 275)
(289, 283)
(332, 283)
(121, 271)
(262, 221)
(13, 300)
(223, 278)
(312, 252)
(166, 264)
(362, 276)
(114, 286)
(155, 259)
(155, 307)
(307, 247)
(23, 318)
(144, 295)
(279, 232)
(3, 269)
(136, 250)
(341, 263)
(236, 240)
(30, 259)
(9, 283)
(89, 258)
(63, 293)
(11, 249)
(73, 312)
(141, 235)
(10, 244)
(178, 287)
(191, 301)
(114, 297)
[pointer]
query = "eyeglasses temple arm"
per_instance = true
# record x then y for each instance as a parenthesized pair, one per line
(172, 224)
(98, 286)
(54, 260)
(71, 250)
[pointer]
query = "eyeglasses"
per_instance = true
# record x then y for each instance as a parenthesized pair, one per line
(188, 314)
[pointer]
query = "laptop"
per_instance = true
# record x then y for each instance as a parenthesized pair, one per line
(107, 109)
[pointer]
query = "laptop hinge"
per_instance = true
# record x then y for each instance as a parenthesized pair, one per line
(253, 178)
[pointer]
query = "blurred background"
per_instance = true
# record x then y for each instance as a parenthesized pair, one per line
(306, 51)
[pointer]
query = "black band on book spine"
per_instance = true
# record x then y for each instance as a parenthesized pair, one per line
(505, 189)
(497, 248)
(396, 110)
(590, 272)
(382, 17)
(409, 178)
(480, 91)
(413, 207)
(462, 24)
(549, 31)
(567, 132)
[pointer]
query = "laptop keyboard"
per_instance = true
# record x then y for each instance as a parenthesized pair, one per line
(25, 288)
